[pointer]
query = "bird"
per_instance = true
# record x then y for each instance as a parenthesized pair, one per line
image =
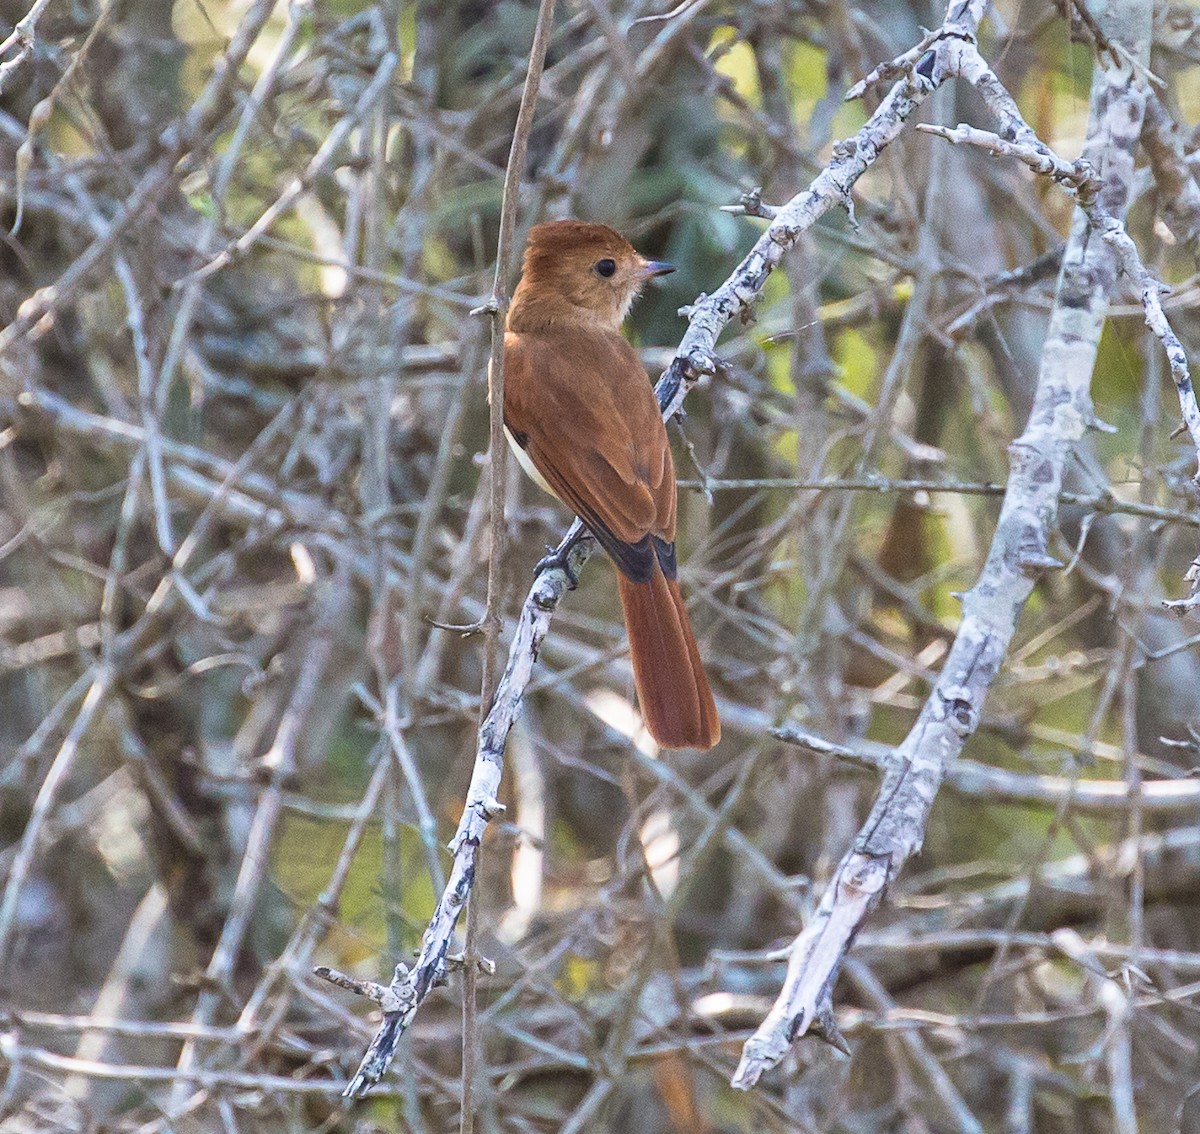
(582, 419)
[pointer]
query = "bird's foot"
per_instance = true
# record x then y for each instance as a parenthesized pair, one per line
(559, 558)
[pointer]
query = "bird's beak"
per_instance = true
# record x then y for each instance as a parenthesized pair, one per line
(656, 268)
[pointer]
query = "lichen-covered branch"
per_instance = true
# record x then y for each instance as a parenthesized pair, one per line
(1019, 553)
(408, 989)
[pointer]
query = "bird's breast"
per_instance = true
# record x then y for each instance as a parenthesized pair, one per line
(527, 465)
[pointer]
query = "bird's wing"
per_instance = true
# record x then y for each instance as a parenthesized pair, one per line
(579, 404)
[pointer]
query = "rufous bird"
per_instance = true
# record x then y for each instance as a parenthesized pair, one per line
(582, 418)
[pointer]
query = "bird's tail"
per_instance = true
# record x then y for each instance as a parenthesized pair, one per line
(677, 703)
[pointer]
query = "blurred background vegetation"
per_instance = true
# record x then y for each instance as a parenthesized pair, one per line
(242, 434)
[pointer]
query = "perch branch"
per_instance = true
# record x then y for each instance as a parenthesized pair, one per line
(409, 988)
(694, 358)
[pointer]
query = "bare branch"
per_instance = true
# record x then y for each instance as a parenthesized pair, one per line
(990, 785)
(1018, 555)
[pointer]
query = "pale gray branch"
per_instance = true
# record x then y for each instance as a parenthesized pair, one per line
(1019, 553)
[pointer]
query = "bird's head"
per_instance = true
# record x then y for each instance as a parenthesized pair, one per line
(575, 271)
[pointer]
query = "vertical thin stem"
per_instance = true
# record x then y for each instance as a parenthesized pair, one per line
(497, 307)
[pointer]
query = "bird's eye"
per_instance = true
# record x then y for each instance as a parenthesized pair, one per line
(606, 268)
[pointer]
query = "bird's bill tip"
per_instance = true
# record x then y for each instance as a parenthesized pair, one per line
(657, 268)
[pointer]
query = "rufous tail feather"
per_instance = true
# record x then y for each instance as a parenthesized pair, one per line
(672, 687)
